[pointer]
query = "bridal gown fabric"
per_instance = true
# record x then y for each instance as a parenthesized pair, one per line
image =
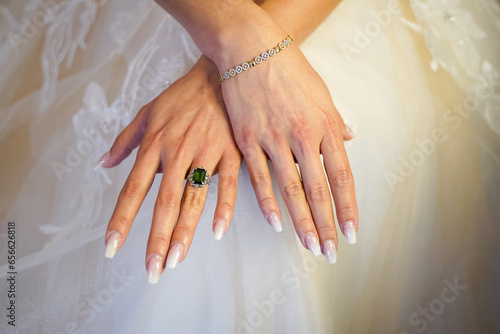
(419, 83)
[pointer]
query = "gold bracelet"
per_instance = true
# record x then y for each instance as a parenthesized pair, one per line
(257, 60)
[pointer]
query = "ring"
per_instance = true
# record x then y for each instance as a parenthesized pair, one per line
(199, 177)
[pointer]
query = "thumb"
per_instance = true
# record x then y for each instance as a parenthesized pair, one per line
(126, 141)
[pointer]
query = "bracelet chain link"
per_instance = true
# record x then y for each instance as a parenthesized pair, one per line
(257, 60)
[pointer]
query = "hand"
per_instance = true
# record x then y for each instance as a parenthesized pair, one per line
(186, 126)
(282, 110)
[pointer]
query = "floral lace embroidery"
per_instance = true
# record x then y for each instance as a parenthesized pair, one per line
(67, 28)
(452, 37)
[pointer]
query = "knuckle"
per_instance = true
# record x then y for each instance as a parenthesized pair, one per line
(303, 224)
(293, 189)
(225, 206)
(266, 202)
(331, 127)
(262, 180)
(183, 230)
(230, 182)
(166, 200)
(132, 189)
(330, 124)
(274, 136)
(246, 140)
(302, 131)
(342, 178)
(159, 240)
(119, 223)
(320, 194)
(273, 140)
(193, 199)
(348, 211)
(327, 232)
(303, 136)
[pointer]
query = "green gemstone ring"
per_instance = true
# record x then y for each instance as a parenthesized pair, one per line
(199, 177)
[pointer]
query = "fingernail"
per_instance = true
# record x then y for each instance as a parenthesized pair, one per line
(174, 255)
(275, 221)
(112, 242)
(102, 161)
(350, 131)
(330, 251)
(155, 265)
(313, 243)
(349, 230)
(219, 228)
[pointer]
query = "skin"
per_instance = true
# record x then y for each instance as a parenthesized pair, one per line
(280, 110)
(289, 122)
(169, 131)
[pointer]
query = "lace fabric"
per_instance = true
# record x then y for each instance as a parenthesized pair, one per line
(457, 41)
(427, 202)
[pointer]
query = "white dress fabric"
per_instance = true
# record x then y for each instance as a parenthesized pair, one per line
(419, 83)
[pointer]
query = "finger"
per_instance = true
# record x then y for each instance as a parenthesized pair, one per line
(319, 198)
(229, 167)
(295, 199)
(127, 140)
(260, 177)
(191, 208)
(130, 199)
(342, 185)
(165, 215)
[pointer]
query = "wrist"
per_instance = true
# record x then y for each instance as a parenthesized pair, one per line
(248, 33)
(259, 59)
(226, 31)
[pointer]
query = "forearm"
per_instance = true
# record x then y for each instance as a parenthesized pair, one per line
(204, 20)
(229, 31)
(298, 18)
(221, 27)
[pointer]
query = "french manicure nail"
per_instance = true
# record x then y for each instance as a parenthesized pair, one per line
(155, 265)
(275, 221)
(219, 228)
(112, 242)
(102, 161)
(313, 243)
(349, 231)
(330, 251)
(174, 255)
(350, 131)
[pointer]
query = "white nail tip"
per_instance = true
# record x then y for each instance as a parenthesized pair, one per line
(313, 243)
(155, 265)
(275, 221)
(349, 230)
(330, 251)
(219, 228)
(350, 131)
(102, 160)
(112, 244)
(174, 255)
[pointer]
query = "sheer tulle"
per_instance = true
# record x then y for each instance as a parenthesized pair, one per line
(417, 81)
